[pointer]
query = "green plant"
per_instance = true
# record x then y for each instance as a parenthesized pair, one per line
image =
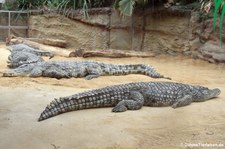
(219, 8)
(126, 7)
(61, 5)
(9, 5)
(219, 5)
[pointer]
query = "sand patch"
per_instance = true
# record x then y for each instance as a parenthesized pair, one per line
(22, 99)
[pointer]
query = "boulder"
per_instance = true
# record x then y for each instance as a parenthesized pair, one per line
(212, 52)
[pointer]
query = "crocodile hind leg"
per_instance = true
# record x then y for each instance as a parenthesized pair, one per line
(91, 76)
(52, 72)
(186, 100)
(135, 102)
(58, 74)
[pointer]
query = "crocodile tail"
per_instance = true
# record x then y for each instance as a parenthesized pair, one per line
(135, 69)
(92, 99)
(56, 107)
(150, 71)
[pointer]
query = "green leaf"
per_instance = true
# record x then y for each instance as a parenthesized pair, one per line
(217, 4)
(116, 4)
(141, 2)
(126, 7)
(221, 23)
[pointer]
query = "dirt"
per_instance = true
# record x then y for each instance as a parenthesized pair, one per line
(22, 99)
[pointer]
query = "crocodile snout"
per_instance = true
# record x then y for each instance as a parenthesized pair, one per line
(8, 73)
(215, 92)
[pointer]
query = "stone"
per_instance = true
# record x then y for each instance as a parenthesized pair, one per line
(212, 52)
(195, 44)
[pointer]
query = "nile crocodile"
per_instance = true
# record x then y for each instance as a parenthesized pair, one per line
(24, 48)
(20, 58)
(87, 69)
(23, 54)
(131, 96)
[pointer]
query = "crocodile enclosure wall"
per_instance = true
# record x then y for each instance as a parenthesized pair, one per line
(158, 30)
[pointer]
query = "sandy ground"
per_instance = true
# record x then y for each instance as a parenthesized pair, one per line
(22, 100)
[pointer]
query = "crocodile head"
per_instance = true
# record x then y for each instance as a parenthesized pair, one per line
(205, 93)
(212, 93)
(23, 70)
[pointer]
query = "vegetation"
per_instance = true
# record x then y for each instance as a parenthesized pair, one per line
(60, 5)
(218, 6)
(57, 4)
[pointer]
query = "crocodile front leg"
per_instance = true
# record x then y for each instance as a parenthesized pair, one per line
(135, 102)
(186, 100)
(93, 71)
(36, 72)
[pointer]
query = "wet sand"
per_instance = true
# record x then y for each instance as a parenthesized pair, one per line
(22, 99)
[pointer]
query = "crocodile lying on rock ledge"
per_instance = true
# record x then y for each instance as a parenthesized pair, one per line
(131, 96)
(23, 54)
(20, 58)
(87, 69)
(24, 48)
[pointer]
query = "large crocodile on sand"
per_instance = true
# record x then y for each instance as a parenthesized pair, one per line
(87, 69)
(131, 96)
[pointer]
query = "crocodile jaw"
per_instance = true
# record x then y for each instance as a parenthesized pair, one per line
(215, 92)
(12, 73)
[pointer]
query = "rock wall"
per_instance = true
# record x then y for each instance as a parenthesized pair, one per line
(205, 43)
(76, 33)
(166, 31)
(159, 30)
